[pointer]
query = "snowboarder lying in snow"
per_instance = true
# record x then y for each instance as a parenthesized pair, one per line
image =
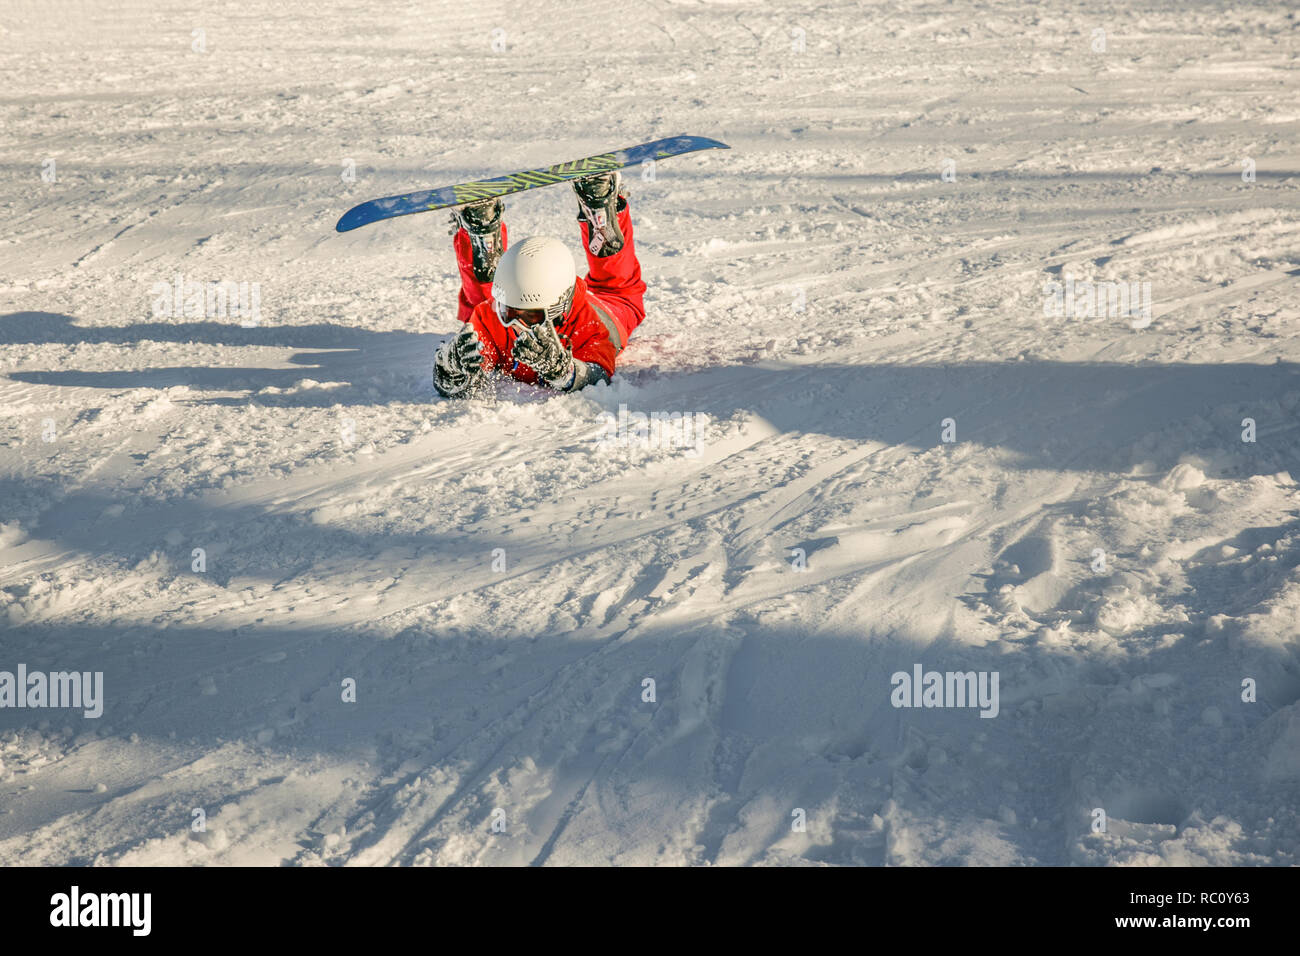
(526, 310)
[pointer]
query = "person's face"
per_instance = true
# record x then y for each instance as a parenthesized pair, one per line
(526, 317)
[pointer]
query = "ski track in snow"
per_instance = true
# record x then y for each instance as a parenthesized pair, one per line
(819, 293)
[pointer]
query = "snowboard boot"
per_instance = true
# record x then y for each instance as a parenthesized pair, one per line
(482, 223)
(600, 199)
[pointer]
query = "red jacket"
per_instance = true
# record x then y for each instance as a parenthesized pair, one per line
(607, 306)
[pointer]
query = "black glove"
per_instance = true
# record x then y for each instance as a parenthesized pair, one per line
(458, 365)
(539, 347)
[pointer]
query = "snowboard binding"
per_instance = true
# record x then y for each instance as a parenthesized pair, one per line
(482, 223)
(600, 199)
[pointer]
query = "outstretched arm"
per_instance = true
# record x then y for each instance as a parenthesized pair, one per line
(541, 350)
(458, 365)
(584, 374)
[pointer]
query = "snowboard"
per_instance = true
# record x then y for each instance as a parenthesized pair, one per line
(427, 200)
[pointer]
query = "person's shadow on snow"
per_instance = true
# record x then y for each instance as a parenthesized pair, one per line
(350, 366)
(1043, 414)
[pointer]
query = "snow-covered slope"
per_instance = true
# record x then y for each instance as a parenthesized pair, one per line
(501, 581)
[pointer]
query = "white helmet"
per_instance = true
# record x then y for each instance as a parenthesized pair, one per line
(537, 273)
